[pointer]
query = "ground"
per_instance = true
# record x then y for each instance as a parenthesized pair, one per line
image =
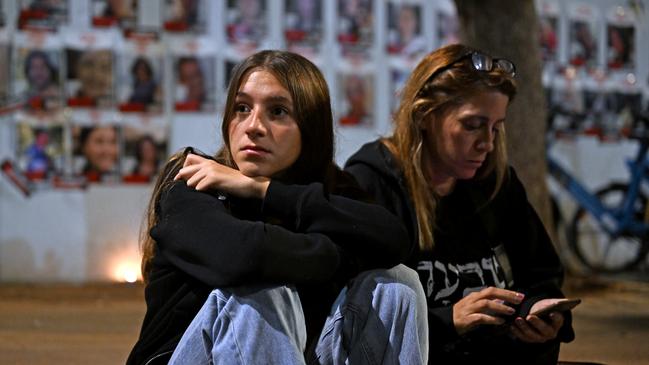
(98, 324)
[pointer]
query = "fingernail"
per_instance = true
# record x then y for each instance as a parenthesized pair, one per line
(510, 310)
(520, 297)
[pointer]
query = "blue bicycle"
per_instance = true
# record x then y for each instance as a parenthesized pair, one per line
(609, 232)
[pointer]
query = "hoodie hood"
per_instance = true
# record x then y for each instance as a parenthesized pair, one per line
(378, 173)
(377, 157)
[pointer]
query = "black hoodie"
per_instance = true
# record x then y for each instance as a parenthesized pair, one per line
(299, 235)
(470, 232)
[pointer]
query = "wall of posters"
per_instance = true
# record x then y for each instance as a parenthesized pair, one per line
(136, 61)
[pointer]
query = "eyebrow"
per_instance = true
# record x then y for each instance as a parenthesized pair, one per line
(271, 99)
(480, 117)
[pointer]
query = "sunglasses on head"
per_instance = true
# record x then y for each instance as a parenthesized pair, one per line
(480, 62)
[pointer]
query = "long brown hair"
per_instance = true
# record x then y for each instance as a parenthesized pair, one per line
(163, 182)
(424, 97)
(312, 112)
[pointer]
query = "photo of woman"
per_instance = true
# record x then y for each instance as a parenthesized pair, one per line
(42, 76)
(98, 151)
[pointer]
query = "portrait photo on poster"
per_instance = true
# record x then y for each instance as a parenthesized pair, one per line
(89, 81)
(246, 23)
(184, 15)
(97, 152)
(140, 82)
(145, 149)
(194, 83)
(620, 42)
(39, 150)
(355, 33)
(303, 25)
(405, 37)
(36, 77)
(109, 13)
(356, 99)
(42, 15)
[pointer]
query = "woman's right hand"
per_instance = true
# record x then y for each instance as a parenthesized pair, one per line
(203, 174)
(484, 307)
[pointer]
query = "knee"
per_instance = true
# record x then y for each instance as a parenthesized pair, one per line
(399, 282)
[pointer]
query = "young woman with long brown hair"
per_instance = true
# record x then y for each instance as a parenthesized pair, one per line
(264, 239)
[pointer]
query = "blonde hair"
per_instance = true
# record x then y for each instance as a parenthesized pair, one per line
(424, 97)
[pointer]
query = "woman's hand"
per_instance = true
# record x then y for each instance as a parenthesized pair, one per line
(484, 307)
(205, 174)
(534, 329)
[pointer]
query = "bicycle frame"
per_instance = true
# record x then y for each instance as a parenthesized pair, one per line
(614, 220)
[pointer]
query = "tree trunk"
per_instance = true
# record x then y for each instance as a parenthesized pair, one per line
(508, 29)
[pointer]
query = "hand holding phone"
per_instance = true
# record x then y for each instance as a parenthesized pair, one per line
(561, 305)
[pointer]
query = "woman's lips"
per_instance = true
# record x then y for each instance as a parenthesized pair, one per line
(255, 150)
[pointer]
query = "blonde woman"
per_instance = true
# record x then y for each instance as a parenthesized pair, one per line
(481, 251)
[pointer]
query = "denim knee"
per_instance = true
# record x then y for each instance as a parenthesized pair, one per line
(404, 281)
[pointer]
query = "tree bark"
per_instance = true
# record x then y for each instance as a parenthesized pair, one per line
(508, 29)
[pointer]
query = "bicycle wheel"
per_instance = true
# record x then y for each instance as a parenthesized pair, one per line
(595, 248)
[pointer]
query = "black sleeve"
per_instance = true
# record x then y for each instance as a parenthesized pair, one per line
(536, 267)
(388, 194)
(197, 234)
(370, 234)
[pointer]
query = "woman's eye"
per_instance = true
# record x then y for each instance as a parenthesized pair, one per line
(472, 125)
(278, 111)
(241, 108)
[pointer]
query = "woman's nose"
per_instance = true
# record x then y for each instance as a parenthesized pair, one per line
(486, 141)
(255, 124)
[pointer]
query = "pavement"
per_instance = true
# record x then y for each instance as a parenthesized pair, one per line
(98, 324)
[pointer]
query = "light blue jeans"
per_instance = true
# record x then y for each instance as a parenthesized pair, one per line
(379, 318)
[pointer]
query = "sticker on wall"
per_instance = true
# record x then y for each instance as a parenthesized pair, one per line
(140, 71)
(90, 69)
(303, 26)
(582, 35)
(185, 16)
(405, 35)
(36, 70)
(42, 14)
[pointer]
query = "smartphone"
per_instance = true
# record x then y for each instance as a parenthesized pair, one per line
(561, 305)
